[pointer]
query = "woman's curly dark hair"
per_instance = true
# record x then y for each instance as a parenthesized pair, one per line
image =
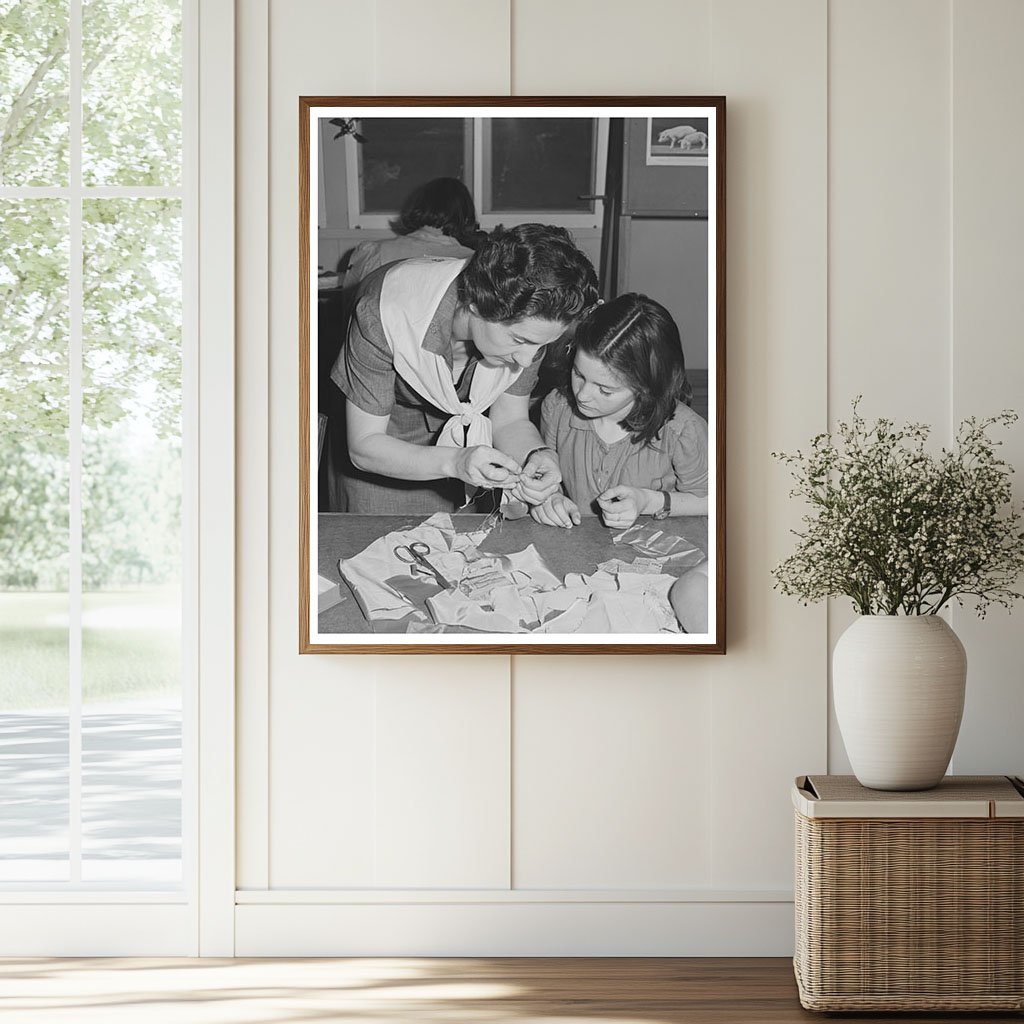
(637, 339)
(529, 270)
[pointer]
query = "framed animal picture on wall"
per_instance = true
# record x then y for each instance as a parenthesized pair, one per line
(674, 141)
(512, 375)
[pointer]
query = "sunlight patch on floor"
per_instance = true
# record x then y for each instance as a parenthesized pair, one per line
(219, 991)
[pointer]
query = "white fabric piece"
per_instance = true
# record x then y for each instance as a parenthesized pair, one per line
(409, 298)
(367, 572)
(618, 602)
(513, 593)
(507, 604)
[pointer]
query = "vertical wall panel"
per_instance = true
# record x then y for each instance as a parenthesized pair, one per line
(888, 224)
(442, 770)
(324, 732)
(442, 48)
(769, 691)
(612, 783)
(889, 208)
(581, 47)
(252, 469)
(321, 709)
(987, 366)
(609, 775)
(443, 725)
(323, 777)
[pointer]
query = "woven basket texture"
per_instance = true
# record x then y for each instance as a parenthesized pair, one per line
(911, 914)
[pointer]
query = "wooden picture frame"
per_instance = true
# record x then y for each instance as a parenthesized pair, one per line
(582, 163)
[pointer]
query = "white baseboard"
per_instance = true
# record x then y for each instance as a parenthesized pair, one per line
(97, 929)
(603, 928)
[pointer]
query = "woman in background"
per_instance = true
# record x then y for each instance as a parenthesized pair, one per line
(438, 219)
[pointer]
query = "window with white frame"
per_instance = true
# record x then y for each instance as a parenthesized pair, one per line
(96, 456)
(518, 169)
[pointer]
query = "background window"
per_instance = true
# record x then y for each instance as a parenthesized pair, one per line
(534, 165)
(401, 153)
(518, 169)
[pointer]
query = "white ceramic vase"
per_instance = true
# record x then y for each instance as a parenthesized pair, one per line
(898, 684)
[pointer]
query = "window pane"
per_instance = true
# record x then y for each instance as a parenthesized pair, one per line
(540, 164)
(33, 92)
(131, 541)
(34, 803)
(131, 784)
(402, 153)
(131, 92)
(33, 540)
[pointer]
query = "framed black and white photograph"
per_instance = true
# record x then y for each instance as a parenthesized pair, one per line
(512, 377)
(677, 141)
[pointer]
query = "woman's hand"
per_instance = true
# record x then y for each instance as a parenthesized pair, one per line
(483, 466)
(558, 510)
(621, 505)
(540, 478)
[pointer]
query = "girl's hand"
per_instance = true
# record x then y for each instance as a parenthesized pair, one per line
(483, 466)
(620, 506)
(540, 478)
(558, 510)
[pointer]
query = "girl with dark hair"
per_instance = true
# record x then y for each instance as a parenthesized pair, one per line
(628, 442)
(433, 346)
(437, 219)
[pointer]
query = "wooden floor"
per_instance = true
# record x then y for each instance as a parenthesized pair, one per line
(413, 991)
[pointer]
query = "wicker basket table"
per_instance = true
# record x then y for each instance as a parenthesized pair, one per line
(910, 901)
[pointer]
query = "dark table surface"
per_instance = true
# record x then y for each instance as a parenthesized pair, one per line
(580, 549)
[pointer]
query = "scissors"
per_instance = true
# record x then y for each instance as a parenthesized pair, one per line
(415, 553)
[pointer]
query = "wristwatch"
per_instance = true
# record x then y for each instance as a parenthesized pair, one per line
(543, 448)
(666, 507)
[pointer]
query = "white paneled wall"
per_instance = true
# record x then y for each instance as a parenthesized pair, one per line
(923, 266)
(579, 47)
(252, 465)
(612, 785)
(889, 153)
(987, 356)
(623, 805)
(441, 48)
(768, 693)
(442, 768)
(889, 243)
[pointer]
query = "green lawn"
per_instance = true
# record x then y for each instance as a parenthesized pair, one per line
(130, 647)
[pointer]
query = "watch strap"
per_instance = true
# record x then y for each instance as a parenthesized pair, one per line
(666, 506)
(543, 448)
